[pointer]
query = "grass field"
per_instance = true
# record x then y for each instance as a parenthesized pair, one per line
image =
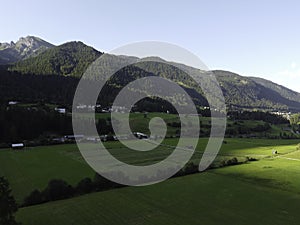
(34, 167)
(208, 198)
(140, 124)
(279, 172)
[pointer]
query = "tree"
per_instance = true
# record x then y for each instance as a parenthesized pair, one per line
(295, 119)
(58, 189)
(85, 186)
(8, 205)
(103, 126)
(101, 183)
(35, 197)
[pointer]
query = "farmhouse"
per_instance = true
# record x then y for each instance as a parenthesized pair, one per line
(60, 110)
(92, 139)
(12, 102)
(73, 137)
(121, 109)
(17, 146)
(140, 135)
(58, 140)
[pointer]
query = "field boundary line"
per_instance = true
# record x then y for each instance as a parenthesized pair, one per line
(282, 157)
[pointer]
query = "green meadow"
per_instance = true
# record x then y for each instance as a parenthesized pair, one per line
(259, 192)
(208, 198)
(65, 161)
(139, 123)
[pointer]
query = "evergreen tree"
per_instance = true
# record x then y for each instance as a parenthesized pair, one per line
(8, 205)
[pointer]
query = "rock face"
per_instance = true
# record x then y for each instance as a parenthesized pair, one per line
(24, 48)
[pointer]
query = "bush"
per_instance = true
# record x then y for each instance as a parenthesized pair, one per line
(85, 186)
(229, 162)
(174, 124)
(35, 197)
(250, 159)
(190, 168)
(58, 189)
(233, 161)
(101, 183)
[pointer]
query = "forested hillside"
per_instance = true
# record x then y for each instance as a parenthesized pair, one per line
(70, 60)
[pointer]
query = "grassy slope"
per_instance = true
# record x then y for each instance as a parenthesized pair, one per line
(205, 198)
(279, 172)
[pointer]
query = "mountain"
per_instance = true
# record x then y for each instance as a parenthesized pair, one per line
(256, 93)
(24, 48)
(283, 91)
(240, 92)
(71, 58)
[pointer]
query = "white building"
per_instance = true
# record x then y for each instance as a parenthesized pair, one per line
(17, 145)
(61, 110)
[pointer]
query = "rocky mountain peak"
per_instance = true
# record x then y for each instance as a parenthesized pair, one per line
(24, 48)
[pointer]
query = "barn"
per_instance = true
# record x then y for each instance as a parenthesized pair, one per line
(17, 146)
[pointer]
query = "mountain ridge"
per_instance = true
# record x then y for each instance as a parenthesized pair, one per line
(240, 92)
(25, 47)
(68, 59)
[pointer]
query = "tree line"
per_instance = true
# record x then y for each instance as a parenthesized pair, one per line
(22, 123)
(58, 189)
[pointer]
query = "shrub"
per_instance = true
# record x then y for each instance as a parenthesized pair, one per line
(58, 189)
(35, 197)
(85, 186)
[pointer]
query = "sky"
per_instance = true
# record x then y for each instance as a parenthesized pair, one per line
(252, 38)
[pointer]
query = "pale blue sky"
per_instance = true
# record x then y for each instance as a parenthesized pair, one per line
(253, 38)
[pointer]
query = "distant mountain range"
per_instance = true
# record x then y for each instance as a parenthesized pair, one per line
(32, 55)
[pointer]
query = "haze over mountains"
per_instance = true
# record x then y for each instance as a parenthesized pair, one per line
(32, 55)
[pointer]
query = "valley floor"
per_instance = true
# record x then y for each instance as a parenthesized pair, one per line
(264, 192)
(210, 198)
